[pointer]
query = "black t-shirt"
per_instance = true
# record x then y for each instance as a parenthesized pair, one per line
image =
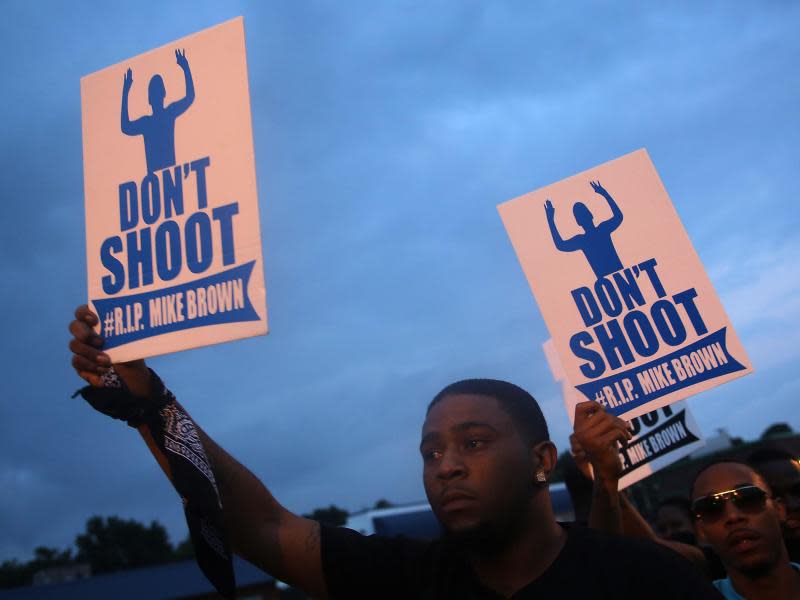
(591, 565)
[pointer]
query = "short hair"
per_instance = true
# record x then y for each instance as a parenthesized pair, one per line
(722, 461)
(516, 402)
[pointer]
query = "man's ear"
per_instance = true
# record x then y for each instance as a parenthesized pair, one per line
(544, 456)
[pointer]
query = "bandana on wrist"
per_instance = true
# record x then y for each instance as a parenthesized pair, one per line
(176, 436)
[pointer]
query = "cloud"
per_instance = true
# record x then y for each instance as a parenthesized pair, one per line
(385, 136)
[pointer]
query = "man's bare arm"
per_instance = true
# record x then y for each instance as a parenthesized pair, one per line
(178, 107)
(597, 433)
(561, 244)
(127, 126)
(260, 530)
(616, 213)
(634, 525)
(595, 439)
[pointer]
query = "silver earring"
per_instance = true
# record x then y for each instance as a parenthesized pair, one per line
(540, 476)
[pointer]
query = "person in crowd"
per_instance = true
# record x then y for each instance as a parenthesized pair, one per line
(737, 514)
(487, 459)
(781, 470)
(732, 506)
(594, 445)
(674, 520)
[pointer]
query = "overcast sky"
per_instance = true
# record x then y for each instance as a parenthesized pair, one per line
(385, 134)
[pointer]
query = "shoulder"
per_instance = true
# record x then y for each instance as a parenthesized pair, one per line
(649, 569)
(358, 566)
(632, 551)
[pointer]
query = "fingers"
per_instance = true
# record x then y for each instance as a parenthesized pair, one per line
(93, 379)
(82, 328)
(84, 313)
(611, 438)
(593, 423)
(586, 410)
(576, 449)
(87, 359)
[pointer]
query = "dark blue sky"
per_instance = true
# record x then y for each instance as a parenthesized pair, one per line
(386, 134)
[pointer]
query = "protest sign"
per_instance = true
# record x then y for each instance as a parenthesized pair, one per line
(634, 318)
(659, 438)
(173, 243)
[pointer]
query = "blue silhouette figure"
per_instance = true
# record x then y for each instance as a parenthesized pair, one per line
(158, 128)
(595, 242)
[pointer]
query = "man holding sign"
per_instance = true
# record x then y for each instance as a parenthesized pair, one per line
(173, 242)
(486, 462)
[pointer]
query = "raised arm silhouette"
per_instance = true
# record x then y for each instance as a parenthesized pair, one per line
(158, 128)
(595, 242)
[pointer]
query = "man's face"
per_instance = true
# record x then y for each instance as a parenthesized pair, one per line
(749, 540)
(477, 469)
(672, 522)
(783, 476)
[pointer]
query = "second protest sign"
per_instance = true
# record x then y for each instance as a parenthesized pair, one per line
(633, 316)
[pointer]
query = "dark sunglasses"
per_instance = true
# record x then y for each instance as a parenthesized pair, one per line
(748, 499)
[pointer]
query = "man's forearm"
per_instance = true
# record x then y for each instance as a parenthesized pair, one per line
(247, 504)
(606, 512)
(635, 526)
(261, 530)
(249, 510)
(633, 523)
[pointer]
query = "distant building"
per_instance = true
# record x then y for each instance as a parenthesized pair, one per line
(418, 521)
(62, 574)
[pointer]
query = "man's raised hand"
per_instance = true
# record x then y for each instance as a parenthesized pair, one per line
(127, 82)
(180, 58)
(87, 359)
(598, 434)
(90, 362)
(598, 188)
(549, 210)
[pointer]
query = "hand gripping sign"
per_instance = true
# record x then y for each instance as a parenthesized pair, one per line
(660, 437)
(172, 227)
(634, 318)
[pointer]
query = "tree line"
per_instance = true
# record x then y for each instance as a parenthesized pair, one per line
(114, 544)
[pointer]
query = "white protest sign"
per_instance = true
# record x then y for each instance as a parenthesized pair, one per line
(634, 318)
(659, 438)
(173, 243)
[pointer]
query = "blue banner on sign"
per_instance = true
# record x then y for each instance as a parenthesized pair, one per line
(219, 298)
(705, 359)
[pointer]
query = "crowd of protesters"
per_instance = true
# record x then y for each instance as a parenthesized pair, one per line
(739, 523)
(487, 460)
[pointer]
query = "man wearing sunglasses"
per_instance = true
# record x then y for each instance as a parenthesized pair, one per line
(781, 470)
(735, 513)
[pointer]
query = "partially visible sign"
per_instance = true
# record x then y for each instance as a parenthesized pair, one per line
(173, 243)
(659, 438)
(634, 318)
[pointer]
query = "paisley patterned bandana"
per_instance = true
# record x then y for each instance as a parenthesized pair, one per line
(176, 436)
